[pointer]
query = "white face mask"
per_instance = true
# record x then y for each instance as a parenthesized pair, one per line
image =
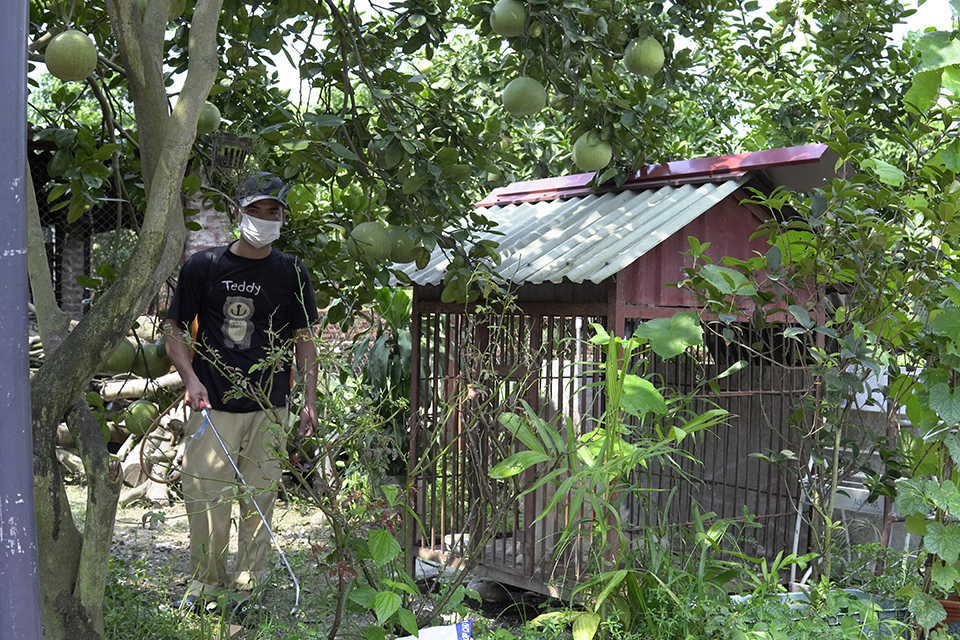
(257, 232)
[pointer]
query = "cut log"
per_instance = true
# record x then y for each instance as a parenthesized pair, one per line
(70, 461)
(133, 475)
(132, 494)
(133, 388)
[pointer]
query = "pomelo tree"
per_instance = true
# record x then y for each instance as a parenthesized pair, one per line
(375, 138)
(73, 566)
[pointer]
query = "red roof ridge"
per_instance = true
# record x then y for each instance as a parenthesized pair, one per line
(694, 171)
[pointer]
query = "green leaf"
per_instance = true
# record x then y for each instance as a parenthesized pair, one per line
(60, 162)
(402, 586)
(87, 281)
(95, 399)
(951, 156)
(385, 604)
(521, 428)
(927, 611)
(938, 49)
(341, 150)
(915, 524)
(923, 90)
(640, 397)
(952, 441)
(802, 316)
(295, 144)
(946, 402)
(672, 336)
(413, 183)
(106, 151)
(727, 281)
(383, 546)
(408, 621)
(78, 204)
(943, 540)
(517, 463)
(945, 495)
(323, 119)
(910, 497)
(363, 596)
(612, 583)
(951, 79)
(886, 172)
(585, 626)
(945, 576)
(553, 618)
(774, 258)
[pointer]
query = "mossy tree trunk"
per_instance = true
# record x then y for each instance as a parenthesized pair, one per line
(73, 565)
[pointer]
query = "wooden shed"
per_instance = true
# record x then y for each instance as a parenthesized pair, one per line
(575, 256)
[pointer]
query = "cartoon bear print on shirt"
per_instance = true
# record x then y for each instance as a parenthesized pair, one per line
(237, 326)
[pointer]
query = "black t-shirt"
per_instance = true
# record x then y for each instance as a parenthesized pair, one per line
(246, 310)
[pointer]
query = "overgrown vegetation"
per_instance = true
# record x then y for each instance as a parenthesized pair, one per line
(378, 138)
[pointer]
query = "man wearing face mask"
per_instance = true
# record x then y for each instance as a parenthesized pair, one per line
(248, 300)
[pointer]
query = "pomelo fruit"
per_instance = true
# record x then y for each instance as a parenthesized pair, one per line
(139, 416)
(370, 238)
(402, 246)
(643, 56)
(177, 7)
(508, 18)
(524, 96)
(209, 118)
(591, 152)
(121, 360)
(151, 361)
(424, 66)
(71, 56)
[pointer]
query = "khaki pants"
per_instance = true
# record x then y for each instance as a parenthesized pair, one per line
(210, 486)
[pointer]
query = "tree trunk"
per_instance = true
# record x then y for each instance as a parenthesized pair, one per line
(73, 567)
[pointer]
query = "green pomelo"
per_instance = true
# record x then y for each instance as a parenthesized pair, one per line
(209, 118)
(371, 238)
(121, 360)
(151, 362)
(177, 7)
(591, 153)
(424, 66)
(71, 56)
(524, 96)
(139, 416)
(402, 246)
(508, 18)
(644, 57)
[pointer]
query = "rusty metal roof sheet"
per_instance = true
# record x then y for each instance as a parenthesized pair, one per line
(585, 238)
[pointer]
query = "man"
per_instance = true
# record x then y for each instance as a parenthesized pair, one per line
(250, 302)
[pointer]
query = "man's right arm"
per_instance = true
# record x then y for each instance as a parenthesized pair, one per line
(179, 351)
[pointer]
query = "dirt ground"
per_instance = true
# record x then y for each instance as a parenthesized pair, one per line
(156, 538)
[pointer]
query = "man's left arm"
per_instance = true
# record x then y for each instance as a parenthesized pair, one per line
(305, 354)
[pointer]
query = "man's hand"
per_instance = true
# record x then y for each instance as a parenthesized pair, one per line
(196, 395)
(308, 421)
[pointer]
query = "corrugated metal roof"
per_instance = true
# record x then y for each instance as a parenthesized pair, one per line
(796, 168)
(585, 238)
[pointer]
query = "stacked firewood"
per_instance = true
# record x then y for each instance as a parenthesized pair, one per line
(149, 449)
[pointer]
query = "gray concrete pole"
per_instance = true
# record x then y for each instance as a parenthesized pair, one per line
(19, 580)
